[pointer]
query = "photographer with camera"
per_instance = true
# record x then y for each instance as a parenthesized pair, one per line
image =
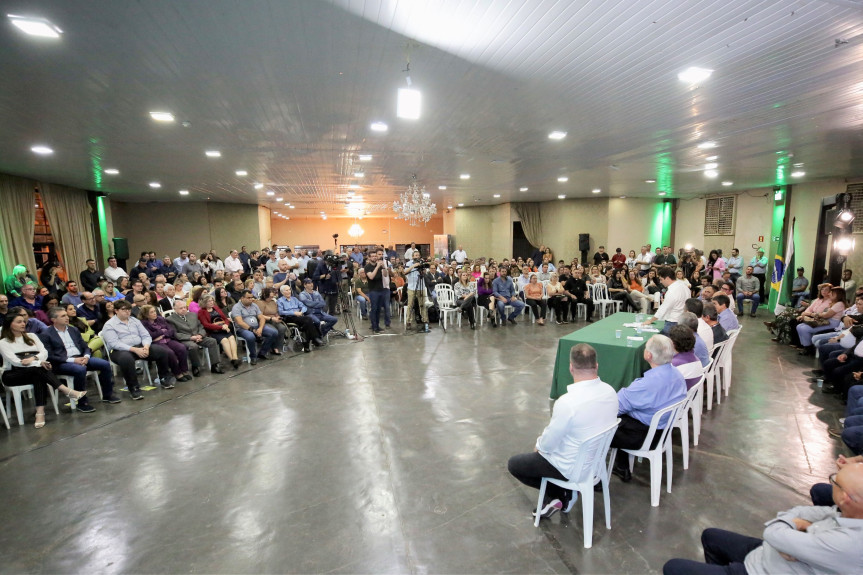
(379, 288)
(327, 277)
(417, 289)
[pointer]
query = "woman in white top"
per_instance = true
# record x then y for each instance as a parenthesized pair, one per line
(595, 277)
(631, 261)
(465, 296)
(27, 357)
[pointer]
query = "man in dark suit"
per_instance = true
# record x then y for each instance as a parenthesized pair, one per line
(69, 355)
(192, 334)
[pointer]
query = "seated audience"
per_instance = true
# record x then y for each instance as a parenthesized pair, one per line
(784, 325)
(662, 385)
(685, 360)
(465, 296)
(577, 292)
(726, 316)
(819, 322)
(72, 295)
(361, 293)
(588, 407)
(700, 348)
(224, 301)
(190, 332)
(316, 304)
(505, 294)
(49, 302)
(485, 295)
(748, 287)
(533, 298)
(28, 299)
(799, 288)
(293, 312)
(162, 335)
(270, 309)
(557, 299)
(88, 334)
(711, 318)
(801, 540)
(216, 323)
(91, 277)
(252, 325)
(69, 354)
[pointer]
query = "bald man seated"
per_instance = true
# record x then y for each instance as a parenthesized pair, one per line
(801, 540)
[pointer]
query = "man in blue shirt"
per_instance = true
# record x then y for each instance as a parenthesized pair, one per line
(726, 317)
(701, 351)
(316, 305)
(251, 324)
(293, 312)
(504, 295)
(662, 385)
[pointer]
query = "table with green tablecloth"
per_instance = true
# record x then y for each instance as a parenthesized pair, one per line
(618, 363)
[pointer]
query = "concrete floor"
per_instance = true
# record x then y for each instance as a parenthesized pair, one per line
(388, 456)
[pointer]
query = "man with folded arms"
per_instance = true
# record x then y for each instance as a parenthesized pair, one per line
(805, 539)
(189, 331)
(588, 407)
(68, 354)
(293, 312)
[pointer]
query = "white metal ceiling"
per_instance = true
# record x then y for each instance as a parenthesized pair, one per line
(287, 90)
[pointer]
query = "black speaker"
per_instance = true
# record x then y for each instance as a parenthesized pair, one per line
(583, 242)
(121, 248)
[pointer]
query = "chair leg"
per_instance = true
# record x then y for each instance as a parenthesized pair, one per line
(655, 478)
(696, 417)
(587, 516)
(669, 463)
(5, 417)
(607, 502)
(708, 384)
(539, 502)
(684, 440)
(18, 409)
(717, 380)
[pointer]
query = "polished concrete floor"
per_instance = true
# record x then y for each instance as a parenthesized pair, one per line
(387, 456)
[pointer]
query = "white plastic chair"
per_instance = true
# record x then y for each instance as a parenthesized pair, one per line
(143, 365)
(724, 369)
(692, 404)
(446, 303)
(70, 383)
(655, 455)
(713, 379)
(241, 342)
(15, 391)
(599, 293)
(591, 463)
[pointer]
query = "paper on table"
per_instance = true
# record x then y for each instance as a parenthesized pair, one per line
(635, 337)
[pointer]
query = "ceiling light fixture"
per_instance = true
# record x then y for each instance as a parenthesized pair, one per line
(706, 145)
(213, 154)
(711, 158)
(694, 75)
(359, 174)
(155, 185)
(279, 199)
(414, 205)
(661, 193)
(727, 183)
(356, 231)
(622, 197)
(162, 116)
(461, 205)
(291, 207)
(42, 150)
(596, 191)
(649, 181)
(111, 171)
(271, 193)
(496, 196)
(711, 173)
(563, 179)
(465, 176)
(184, 192)
(242, 173)
(798, 174)
(561, 196)
(711, 166)
(35, 26)
(365, 157)
(258, 186)
(379, 127)
(523, 189)
(557, 135)
(441, 188)
(409, 104)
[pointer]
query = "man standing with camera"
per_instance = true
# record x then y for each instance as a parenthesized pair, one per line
(379, 289)
(327, 277)
(416, 290)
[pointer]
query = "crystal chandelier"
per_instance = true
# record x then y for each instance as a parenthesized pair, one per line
(414, 205)
(356, 231)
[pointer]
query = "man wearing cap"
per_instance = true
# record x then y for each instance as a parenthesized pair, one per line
(759, 267)
(799, 288)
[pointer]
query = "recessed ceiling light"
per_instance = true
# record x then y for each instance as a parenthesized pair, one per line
(798, 174)
(727, 183)
(184, 192)
(242, 173)
(290, 207)
(271, 193)
(409, 103)
(323, 217)
(379, 127)
(35, 26)
(711, 158)
(449, 207)
(661, 193)
(111, 171)
(155, 185)
(522, 189)
(596, 190)
(561, 196)
(355, 186)
(323, 212)
(258, 186)
(711, 166)
(711, 173)
(622, 197)
(557, 135)
(162, 116)
(441, 187)
(694, 75)
(465, 176)
(496, 195)
(649, 181)
(365, 157)
(279, 199)
(359, 174)
(563, 179)
(213, 154)
(706, 145)
(43, 150)
(460, 205)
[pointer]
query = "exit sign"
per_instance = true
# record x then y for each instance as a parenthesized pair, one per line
(760, 238)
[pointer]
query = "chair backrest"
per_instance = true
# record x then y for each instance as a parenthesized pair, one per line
(670, 413)
(691, 396)
(591, 453)
(709, 366)
(599, 291)
(445, 295)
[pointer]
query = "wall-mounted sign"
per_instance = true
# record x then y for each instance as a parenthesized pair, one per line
(760, 238)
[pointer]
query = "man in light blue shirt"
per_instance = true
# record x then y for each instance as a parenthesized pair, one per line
(759, 265)
(293, 312)
(505, 294)
(735, 265)
(588, 407)
(251, 324)
(316, 305)
(662, 385)
(727, 318)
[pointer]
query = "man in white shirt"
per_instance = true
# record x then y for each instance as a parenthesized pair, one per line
(409, 253)
(459, 255)
(303, 262)
(644, 259)
(293, 263)
(113, 273)
(674, 304)
(588, 407)
(233, 263)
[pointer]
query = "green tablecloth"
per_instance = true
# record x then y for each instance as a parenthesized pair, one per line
(618, 364)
